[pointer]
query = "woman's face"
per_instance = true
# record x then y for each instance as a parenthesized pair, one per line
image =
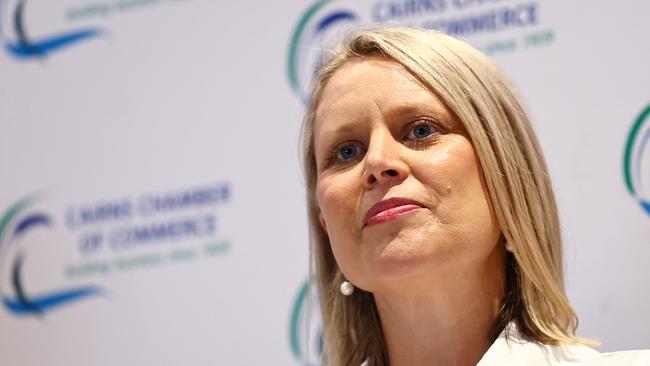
(399, 186)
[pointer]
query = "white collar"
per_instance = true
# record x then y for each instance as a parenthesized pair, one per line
(516, 350)
(513, 349)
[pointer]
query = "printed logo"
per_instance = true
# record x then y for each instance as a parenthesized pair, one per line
(49, 241)
(493, 26)
(16, 226)
(22, 46)
(315, 28)
(636, 160)
(36, 29)
(305, 327)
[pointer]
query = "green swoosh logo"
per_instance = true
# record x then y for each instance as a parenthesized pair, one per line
(292, 70)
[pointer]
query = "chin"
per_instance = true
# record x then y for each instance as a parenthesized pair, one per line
(401, 261)
(397, 266)
(406, 256)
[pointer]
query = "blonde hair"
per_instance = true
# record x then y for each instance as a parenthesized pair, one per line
(517, 179)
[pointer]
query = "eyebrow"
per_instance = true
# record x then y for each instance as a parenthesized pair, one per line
(342, 128)
(417, 109)
(328, 137)
(343, 124)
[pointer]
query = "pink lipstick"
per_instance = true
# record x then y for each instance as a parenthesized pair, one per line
(389, 209)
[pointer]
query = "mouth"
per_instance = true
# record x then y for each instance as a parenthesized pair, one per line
(390, 209)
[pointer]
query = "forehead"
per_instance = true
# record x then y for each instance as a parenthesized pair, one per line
(375, 77)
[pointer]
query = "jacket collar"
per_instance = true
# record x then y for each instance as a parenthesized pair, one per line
(511, 348)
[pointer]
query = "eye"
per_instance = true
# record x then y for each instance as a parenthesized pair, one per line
(344, 155)
(421, 131)
(347, 152)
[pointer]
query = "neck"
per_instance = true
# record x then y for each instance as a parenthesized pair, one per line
(449, 323)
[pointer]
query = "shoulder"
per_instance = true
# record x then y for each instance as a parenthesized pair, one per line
(631, 358)
(516, 350)
(513, 350)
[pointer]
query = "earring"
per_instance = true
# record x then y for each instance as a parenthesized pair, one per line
(508, 247)
(347, 288)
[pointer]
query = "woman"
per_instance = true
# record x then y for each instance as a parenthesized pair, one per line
(434, 227)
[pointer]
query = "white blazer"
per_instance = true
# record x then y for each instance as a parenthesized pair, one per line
(517, 351)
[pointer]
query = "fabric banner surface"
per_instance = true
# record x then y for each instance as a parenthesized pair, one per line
(152, 204)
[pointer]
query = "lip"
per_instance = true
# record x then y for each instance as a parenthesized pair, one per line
(389, 209)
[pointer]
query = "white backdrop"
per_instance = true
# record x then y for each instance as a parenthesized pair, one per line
(151, 201)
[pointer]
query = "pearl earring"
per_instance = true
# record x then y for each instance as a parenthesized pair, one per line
(508, 247)
(347, 288)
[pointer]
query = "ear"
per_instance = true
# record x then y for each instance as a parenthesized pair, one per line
(322, 222)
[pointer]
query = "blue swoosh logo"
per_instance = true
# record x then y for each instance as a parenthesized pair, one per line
(334, 17)
(24, 48)
(49, 45)
(31, 221)
(40, 304)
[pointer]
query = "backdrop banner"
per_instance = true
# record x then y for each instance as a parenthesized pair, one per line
(152, 209)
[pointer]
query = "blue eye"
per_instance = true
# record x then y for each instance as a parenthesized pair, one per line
(420, 131)
(347, 152)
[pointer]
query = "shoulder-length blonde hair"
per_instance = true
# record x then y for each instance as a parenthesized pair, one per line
(517, 179)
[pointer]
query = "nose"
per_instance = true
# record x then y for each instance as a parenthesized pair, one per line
(384, 165)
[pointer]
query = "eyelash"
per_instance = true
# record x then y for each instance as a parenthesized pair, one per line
(417, 144)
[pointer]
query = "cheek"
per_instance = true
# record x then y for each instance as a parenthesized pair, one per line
(472, 199)
(456, 178)
(336, 200)
(447, 170)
